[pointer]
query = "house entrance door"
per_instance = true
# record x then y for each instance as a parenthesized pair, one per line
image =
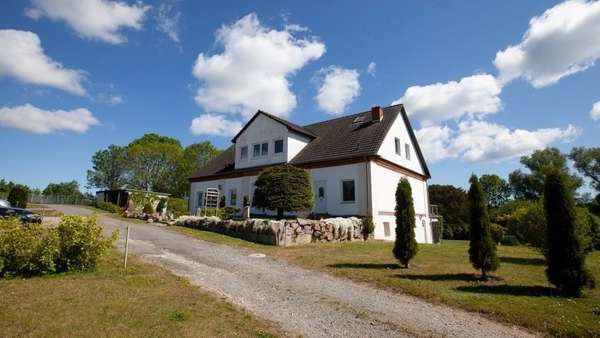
(320, 197)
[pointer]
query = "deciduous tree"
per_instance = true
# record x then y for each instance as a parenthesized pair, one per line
(283, 188)
(109, 168)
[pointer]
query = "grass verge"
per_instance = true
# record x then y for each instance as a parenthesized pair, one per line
(442, 273)
(148, 301)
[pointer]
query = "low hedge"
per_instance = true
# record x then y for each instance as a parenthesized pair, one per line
(110, 207)
(75, 244)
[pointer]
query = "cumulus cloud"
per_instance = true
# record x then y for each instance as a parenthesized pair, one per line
(371, 68)
(252, 72)
(213, 124)
(167, 18)
(562, 41)
(481, 141)
(38, 121)
(475, 95)
(338, 88)
(595, 112)
(92, 19)
(22, 58)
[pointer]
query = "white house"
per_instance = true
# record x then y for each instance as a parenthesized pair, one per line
(355, 163)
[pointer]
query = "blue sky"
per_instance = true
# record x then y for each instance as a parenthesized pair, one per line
(137, 70)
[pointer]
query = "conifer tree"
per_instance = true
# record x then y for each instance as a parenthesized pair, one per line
(482, 249)
(405, 247)
(565, 255)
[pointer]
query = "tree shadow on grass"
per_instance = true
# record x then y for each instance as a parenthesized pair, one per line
(442, 277)
(364, 266)
(523, 261)
(513, 290)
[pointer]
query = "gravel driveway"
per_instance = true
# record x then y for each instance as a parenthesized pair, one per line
(302, 302)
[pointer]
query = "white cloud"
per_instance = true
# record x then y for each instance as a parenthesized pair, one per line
(473, 95)
(253, 70)
(116, 99)
(371, 68)
(92, 19)
(595, 112)
(211, 124)
(22, 57)
(38, 121)
(339, 87)
(480, 141)
(296, 28)
(167, 19)
(562, 41)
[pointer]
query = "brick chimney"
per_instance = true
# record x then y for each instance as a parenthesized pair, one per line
(377, 113)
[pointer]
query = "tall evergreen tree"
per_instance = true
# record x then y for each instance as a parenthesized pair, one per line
(565, 257)
(405, 247)
(482, 249)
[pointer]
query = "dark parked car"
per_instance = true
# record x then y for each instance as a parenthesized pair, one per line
(25, 215)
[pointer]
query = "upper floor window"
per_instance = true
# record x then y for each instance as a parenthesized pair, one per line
(407, 150)
(278, 146)
(264, 149)
(256, 150)
(244, 153)
(348, 193)
(397, 144)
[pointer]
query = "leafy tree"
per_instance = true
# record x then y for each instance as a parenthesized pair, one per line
(565, 256)
(5, 187)
(482, 249)
(587, 162)
(541, 162)
(63, 189)
(453, 206)
(496, 189)
(195, 156)
(405, 247)
(283, 188)
(19, 195)
(109, 168)
(152, 160)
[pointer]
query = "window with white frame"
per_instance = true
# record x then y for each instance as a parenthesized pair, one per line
(256, 150)
(233, 197)
(244, 152)
(348, 191)
(407, 150)
(278, 147)
(264, 149)
(397, 145)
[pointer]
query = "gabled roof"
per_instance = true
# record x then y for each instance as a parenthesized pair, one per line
(288, 124)
(346, 137)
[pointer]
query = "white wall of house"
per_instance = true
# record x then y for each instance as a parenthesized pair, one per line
(266, 130)
(388, 147)
(384, 182)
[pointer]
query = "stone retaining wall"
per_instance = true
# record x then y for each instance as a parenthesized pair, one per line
(280, 232)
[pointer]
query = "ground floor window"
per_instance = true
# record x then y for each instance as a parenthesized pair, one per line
(233, 197)
(348, 193)
(200, 199)
(386, 229)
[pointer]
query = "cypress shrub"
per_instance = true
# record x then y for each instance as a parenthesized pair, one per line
(405, 247)
(368, 225)
(482, 249)
(283, 188)
(18, 196)
(565, 255)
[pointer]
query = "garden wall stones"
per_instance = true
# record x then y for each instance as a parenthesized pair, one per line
(280, 232)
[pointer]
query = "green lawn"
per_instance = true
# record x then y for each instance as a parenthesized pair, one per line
(519, 294)
(148, 301)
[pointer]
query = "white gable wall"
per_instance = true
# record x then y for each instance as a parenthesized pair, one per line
(264, 129)
(387, 150)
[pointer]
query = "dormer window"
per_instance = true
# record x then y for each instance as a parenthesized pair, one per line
(264, 149)
(278, 146)
(244, 153)
(256, 150)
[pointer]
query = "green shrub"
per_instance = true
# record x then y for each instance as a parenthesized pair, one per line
(107, 206)
(405, 246)
(368, 225)
(229, 212)
(497, 232)
(27, 250)
(81, 243)
(18, 196)
(528, 223)
(218, 212)
(148, 209)
(510, 240)
(177, 206)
